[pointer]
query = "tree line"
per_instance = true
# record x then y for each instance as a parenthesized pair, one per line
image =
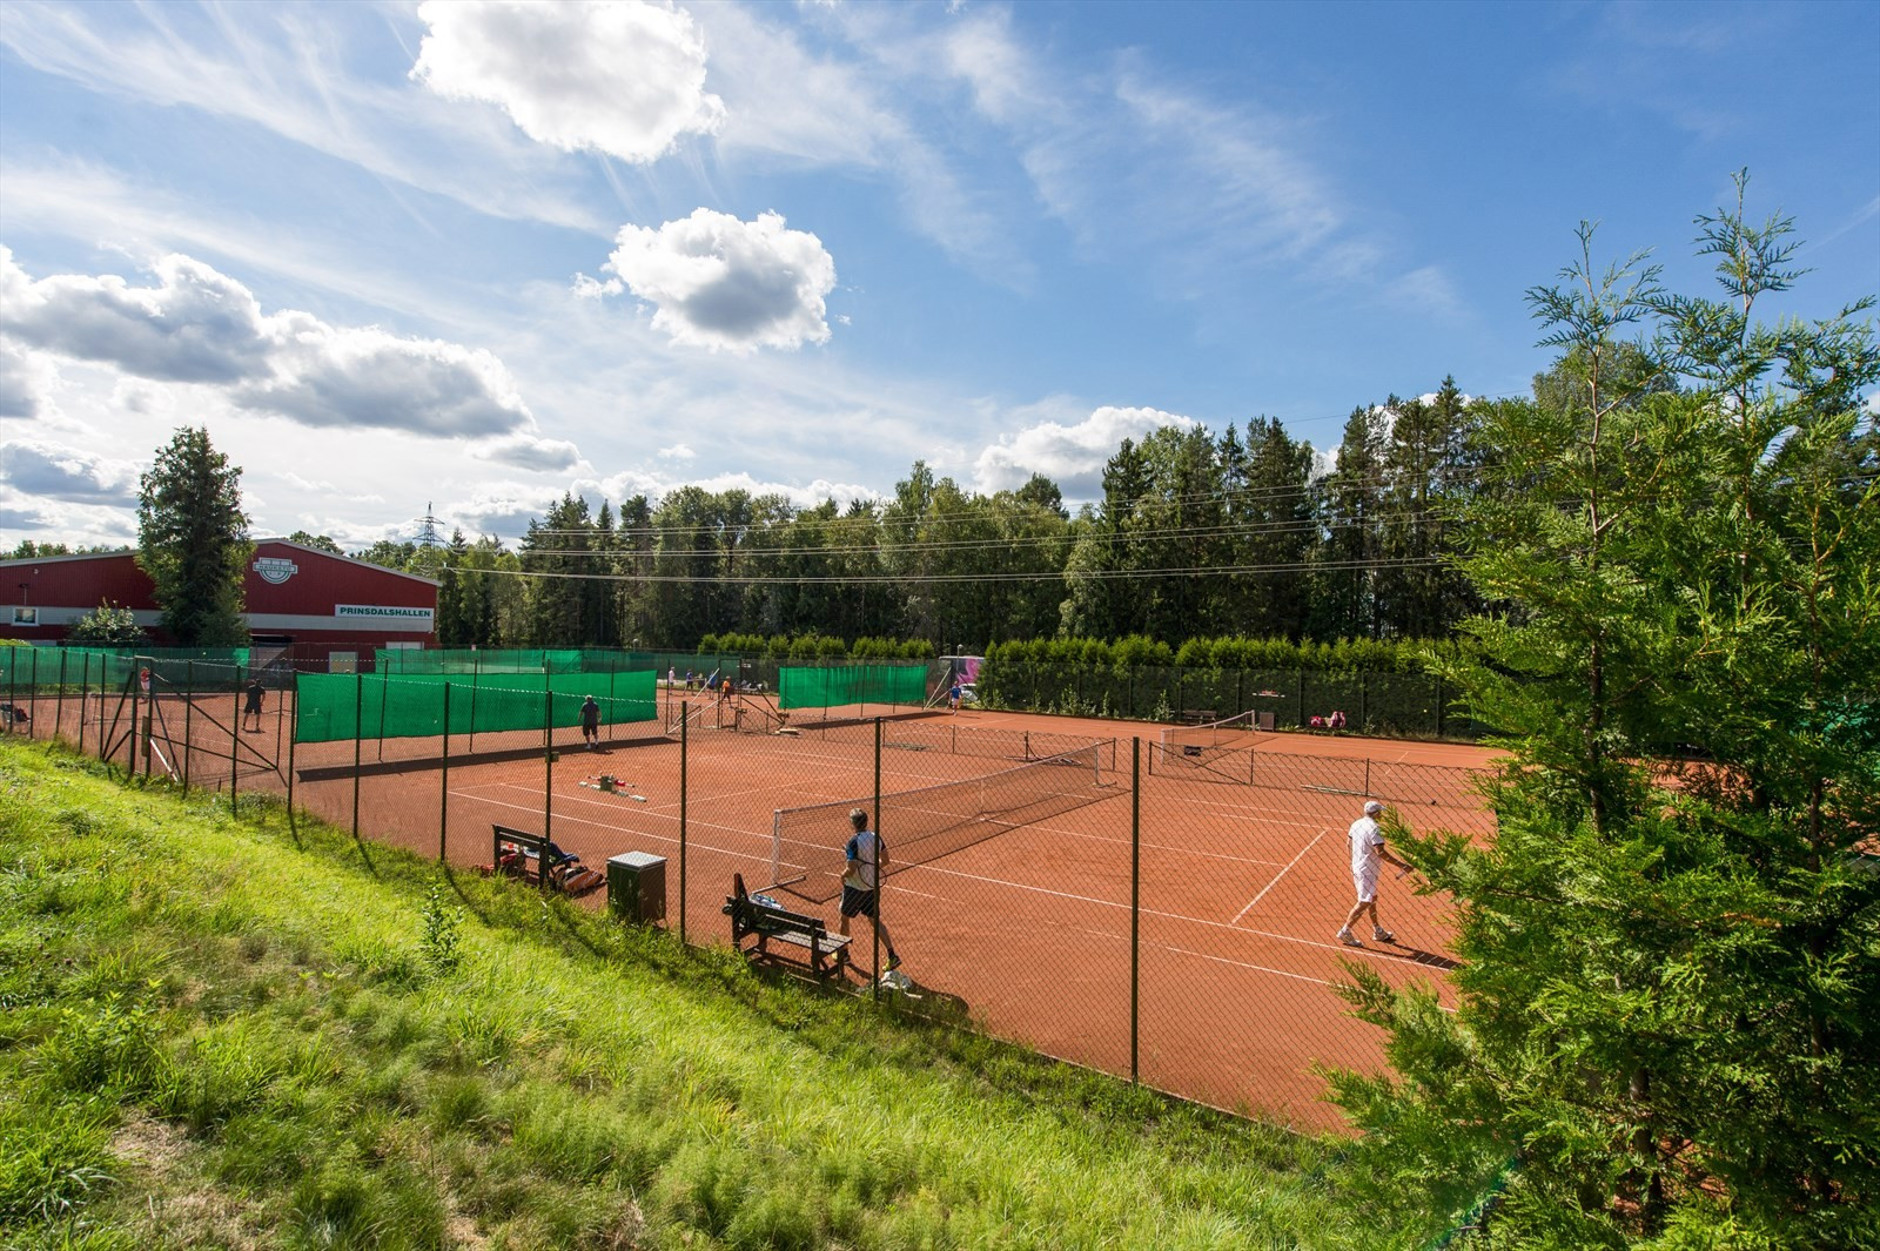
(1197, 535)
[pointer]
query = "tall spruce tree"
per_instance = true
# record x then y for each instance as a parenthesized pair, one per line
(1670, 1001)
(192, 540)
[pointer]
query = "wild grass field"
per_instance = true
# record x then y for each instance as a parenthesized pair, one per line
(221, 1029)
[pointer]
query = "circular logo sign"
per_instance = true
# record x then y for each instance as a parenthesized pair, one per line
(275, 569)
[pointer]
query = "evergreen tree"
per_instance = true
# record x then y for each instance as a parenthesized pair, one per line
(1350, 506)
(1670, 1001)
(192, 540)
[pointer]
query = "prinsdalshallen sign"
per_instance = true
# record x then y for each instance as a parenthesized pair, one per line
(381, 612)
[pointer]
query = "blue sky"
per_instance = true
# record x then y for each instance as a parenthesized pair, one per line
(471, 256)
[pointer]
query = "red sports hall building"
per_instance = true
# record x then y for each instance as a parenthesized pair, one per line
(308, 607)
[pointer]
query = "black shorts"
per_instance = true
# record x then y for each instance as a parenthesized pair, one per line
(859, 902)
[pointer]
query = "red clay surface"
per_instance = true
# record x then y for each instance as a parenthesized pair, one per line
(1241, 886)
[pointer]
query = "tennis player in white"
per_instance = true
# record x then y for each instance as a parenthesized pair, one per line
(1367, 851)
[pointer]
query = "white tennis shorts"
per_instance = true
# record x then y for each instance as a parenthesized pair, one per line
(1366, 882)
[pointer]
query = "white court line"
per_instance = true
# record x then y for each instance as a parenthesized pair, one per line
(1149, 912)
(690, 842)
(1277, 876)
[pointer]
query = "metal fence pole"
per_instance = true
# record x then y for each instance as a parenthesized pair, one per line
(189, 714)
(130, 744)
(84, 701)
(359, 729)
(881, 841)
(234, 740)
(443, 792)
(58, 717)
(292, 737)
(685, 752)
(548, 778)
(1135, 903)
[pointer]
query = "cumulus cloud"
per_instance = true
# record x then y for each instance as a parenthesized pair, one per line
(677, 451)
(655, 487)
(199, 326)
(24, 380)
(34, 468)
(195, 325)
(1070, 454)
(715, 281)
(627, 79)
(501, 509)
(530, 451)
(325, 375)
(1073, 456)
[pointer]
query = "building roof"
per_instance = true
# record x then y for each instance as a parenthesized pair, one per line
(302, 547)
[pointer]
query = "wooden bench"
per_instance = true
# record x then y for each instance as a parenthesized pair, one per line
(763, 918)
(524, 855)
(1196, 716)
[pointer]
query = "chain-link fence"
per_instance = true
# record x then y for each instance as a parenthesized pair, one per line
(1389, 704)
(1166, 915)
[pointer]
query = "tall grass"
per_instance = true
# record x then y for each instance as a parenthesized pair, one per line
(347, 1053)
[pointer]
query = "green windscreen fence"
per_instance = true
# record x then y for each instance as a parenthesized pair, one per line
(339, 706)
(481, 660)
(458, 661)
(28, 668)
(838, 686)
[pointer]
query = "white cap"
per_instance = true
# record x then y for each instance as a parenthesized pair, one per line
(1372, 808)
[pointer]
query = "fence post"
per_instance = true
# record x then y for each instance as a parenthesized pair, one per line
(685, 753)
(84, 701)
(443, 795)
(130, 744)
(1439, 705)
(189, 715)
(874, 930)
(234, 739)
(293, 734)
(548, 777)
(1135, 903)
(1302, 697)
(1364, 698)
(359, 729)
(58, 716)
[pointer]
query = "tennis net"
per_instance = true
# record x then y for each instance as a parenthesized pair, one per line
(922, 825)
(1234, 731)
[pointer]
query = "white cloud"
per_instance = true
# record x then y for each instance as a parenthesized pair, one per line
(200, 326)
(195, 326)
(1073, 456)
(332, 376)
(633, 482)
(33, 467)
(718, 282)
(25, 379)
(63, 522)
(626, 79)
(500, 508)
(269, 66)
(530, 451)
(677, 451)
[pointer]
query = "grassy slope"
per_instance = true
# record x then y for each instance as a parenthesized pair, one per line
(224, 1033)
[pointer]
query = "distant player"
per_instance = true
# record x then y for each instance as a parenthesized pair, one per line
(591, 723)
(251, 705)
(953, 697)
(866, 859)
(1367, 851)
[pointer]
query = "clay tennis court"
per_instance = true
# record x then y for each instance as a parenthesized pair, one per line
(1241, 886)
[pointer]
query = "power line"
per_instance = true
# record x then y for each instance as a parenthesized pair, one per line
(924, 579)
